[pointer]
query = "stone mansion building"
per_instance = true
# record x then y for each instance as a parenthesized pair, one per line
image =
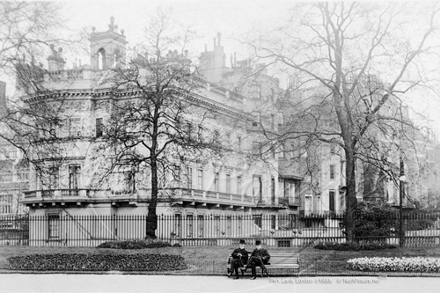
(245, 182)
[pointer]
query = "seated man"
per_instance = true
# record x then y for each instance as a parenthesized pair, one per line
(239, 258)
(259, 257)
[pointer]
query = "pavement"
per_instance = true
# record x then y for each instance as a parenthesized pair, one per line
(214, 284)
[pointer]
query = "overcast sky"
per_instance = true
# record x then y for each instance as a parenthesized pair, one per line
(234, 19)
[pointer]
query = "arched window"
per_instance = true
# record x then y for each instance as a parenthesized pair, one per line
(101, 59)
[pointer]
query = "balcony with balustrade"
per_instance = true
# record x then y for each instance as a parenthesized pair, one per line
(196, 198)
(54, 196)
(179, 197)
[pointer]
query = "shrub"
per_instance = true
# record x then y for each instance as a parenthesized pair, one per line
(98, 262)
(394, 264)
(134, 244)
(350, 246)
(419, 224)
(374, 222)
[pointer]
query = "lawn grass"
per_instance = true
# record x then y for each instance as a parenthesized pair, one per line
(211, 260)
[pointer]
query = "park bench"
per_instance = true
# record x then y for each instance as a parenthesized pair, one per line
(278, 260)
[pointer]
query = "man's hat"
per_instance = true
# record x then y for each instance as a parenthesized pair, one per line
(242, 241)
(258, 242)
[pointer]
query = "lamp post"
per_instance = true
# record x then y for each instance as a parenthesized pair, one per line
(402, 180)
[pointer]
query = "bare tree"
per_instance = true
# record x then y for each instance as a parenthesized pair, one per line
(29, 32)
(156, 121)
(26, 30)
(334, 50)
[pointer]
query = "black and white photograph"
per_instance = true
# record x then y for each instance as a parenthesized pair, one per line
(219, 146)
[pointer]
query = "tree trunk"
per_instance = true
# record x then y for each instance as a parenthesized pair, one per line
(351, 200)
(151, 224)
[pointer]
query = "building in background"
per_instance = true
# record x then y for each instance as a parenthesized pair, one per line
(321, 164)
(14, 179)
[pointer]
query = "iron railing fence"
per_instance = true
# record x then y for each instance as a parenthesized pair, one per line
(418, 229)
(282, 230)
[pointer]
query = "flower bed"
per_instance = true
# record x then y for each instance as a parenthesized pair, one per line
(98, 262)
(134, 244)
(395, 264)
(353, 246)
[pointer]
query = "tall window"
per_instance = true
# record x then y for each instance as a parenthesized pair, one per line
(256, 148)
(75, 127)
(216, 136)
(272, 121)
(178, 225)
(331, 197)
(257, 187)
(286, 189)
(281, 152)
(293, 190)
(101, 59)
(176, 173)
(129, 181)
(200, 179)
(54, 177)
(229, 225)
(189, 178)
(273, 190)
(189, 225)
(332, 171)
(239, 183)
(74, 177)
(292, 152)
(228, 183)
(200, 226)
(239, 143)
(217, 225)
(216, 181)
(99, 127)
(258, 220)
(53, 226)
(292, 220)
(273, 221)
